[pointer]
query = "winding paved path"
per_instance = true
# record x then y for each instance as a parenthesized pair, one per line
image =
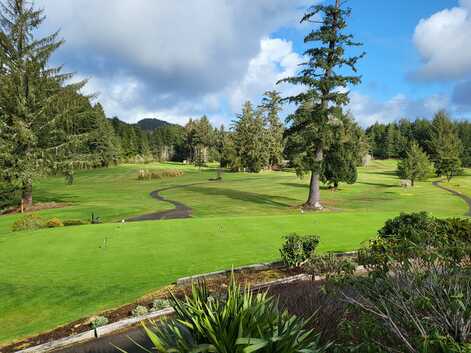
(467, 199)
(180, 211)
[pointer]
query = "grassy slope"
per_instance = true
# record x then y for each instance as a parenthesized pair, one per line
(50, 277)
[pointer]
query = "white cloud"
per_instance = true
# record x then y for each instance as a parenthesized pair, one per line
(442, 41)
(367, 110)
(276, 60)
(168, 56)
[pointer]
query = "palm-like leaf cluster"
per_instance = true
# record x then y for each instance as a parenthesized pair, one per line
(238, 321)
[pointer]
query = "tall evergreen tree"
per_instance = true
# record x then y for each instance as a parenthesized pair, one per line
(415, 165)
(200, 137)
(323, 79)
(445, 146)
(271, 106)
(34, 100)
(250, 139)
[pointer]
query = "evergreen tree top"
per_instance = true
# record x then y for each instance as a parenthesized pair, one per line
(320, 73)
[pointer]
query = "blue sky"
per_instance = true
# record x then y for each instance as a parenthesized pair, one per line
(175, 60)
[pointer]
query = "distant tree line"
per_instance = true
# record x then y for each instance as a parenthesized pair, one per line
(391, 140)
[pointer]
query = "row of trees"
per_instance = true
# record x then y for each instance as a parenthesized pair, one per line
(441, 145)
(391, 140)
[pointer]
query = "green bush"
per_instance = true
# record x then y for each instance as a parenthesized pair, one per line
(74, 222)
(99, 321)
(414, 237)
(140, 311)
(297, 249)
(242, 322)
(159, 304)
(330, 266)
(54, 223)
(29, 222)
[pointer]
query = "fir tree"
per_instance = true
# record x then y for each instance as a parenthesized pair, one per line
(250, 139)
(446, 147)
(315, 125)
(35, 103)
(415, 165)
(271, 106)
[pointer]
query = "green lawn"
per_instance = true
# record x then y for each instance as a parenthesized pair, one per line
(461, 183)
(53, 276)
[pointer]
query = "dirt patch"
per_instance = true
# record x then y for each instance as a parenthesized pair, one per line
(40, 206)
(216, 284)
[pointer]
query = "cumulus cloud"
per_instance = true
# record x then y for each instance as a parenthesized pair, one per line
(442, 41)
(276, 60)
(368, 111)
(158, 55)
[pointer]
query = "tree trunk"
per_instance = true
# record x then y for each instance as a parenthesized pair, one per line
(27, 197)
(314, 200)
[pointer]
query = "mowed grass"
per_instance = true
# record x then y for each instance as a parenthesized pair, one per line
(53, 276)
(461, 183)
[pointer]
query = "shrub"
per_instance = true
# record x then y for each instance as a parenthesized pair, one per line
(74, 222)
(140, 311)
(243, 322)
(54, 223)
(297, 249)
(159, 304)
(418, 237)
(29, 222)
(330, 266)
(99, 321)
(159, 174)
(95, 219)
(423, 310)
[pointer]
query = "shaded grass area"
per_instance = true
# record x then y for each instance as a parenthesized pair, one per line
(54, 276)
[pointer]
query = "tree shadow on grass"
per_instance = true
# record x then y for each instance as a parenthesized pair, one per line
(45, 196)
(377, 184)
(388, 173)
(303, 186)
(252, 197)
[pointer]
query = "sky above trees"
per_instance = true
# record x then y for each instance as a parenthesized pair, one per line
(180, 59)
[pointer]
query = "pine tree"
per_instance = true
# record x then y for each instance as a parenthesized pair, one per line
(323, 80)
(415, 165)
(251, 139)
(200, 137)
(271, 106)
(35, 103)
(345, 153)
(446, 147)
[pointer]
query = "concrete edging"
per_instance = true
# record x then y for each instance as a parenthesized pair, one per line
(101, 331)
